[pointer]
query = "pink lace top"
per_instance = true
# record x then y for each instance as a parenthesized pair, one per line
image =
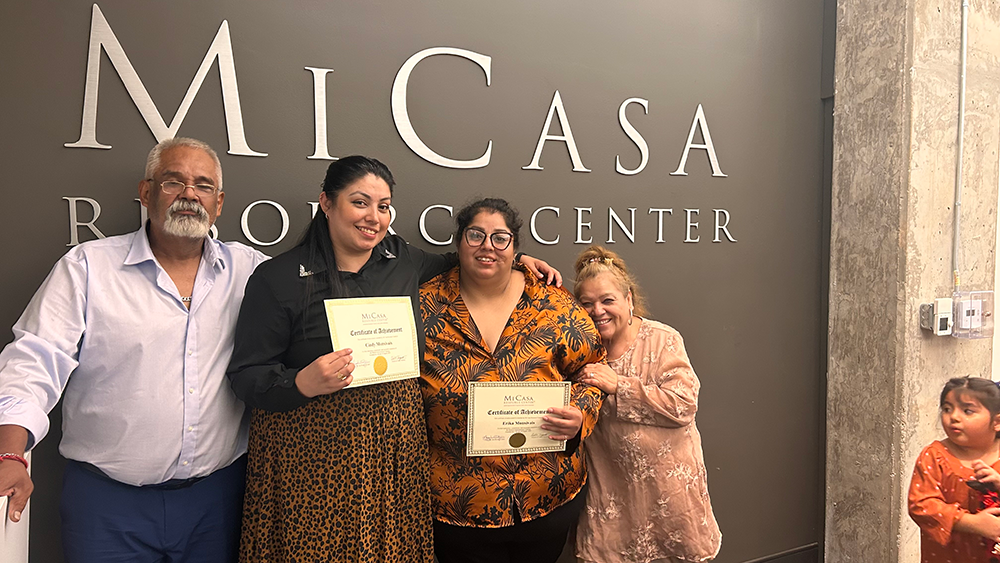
(648, 499)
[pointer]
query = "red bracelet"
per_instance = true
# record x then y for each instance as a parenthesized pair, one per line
(14, 457)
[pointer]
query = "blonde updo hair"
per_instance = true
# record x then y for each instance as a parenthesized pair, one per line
(597, 260)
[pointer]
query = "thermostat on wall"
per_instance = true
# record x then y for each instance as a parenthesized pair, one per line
(973, 314)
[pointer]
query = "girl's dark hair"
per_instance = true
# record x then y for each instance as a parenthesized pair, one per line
(489, 205)
(340, 174)
(983, 390)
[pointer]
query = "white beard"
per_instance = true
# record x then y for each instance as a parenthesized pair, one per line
(186, 226)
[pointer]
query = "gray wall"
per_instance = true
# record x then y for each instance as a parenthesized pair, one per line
(750, 311)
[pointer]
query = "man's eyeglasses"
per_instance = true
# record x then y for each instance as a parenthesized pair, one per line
(173, 187)
(500, 240)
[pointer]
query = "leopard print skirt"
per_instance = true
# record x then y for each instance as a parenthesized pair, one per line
(344, 478)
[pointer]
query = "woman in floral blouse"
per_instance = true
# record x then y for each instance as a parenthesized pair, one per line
(487, 322)
(648, 499)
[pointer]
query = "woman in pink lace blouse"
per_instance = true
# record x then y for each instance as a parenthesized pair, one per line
(648, 499)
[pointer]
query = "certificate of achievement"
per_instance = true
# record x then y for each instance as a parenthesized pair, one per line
(382, 334)
(505, 417)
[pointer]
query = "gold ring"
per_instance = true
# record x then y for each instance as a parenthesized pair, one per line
(343, 377)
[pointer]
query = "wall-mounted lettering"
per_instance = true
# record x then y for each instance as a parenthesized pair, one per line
(556, 108)
(719, 213)
(423, 225)
(221, 50)
(534, 229)
(689, 224)
(659, 220)
(629, 231)
(244, 223)
(699, 123)
(75, 223)
(101, 36)
(634, 135)
(322, 150)
(401, 114)
(539, 222)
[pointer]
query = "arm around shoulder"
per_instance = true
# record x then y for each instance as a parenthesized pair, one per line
(428, 264)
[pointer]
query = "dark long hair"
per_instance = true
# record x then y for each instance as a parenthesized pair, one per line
(339, 175)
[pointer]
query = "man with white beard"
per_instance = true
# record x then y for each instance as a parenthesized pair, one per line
(136, 332)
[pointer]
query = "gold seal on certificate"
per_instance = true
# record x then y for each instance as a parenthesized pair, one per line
(381, 333)
(505, 417)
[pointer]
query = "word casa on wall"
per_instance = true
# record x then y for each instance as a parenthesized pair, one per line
(221, 50)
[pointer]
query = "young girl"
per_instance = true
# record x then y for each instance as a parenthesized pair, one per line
(954, 525)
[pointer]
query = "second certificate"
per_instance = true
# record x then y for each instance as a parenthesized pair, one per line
(505, 417)
(381, 333)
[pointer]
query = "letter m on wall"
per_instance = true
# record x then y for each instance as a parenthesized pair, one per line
(101, 36)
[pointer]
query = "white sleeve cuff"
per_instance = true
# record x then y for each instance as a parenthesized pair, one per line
(26, 415)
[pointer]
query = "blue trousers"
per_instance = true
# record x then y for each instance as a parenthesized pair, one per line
(104, 521)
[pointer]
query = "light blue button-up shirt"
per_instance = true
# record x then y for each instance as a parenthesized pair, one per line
(146, 394)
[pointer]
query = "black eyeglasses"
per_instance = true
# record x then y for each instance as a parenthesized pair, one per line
(500, 239)
(173, 187)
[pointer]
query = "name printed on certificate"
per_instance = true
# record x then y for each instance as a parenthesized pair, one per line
(382, 334)
(505, 417)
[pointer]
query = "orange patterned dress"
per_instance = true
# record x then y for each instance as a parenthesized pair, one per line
(938, 498)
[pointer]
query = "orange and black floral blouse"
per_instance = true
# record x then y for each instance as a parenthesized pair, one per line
(549, 337)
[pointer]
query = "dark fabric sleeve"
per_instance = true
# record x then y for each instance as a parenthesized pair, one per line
(429, 264)
(263, 333)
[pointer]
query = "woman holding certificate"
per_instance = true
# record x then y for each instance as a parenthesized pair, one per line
(337, 464)
(505, 416)
(648, 498)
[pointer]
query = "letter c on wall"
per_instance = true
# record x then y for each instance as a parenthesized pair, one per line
(401, 116)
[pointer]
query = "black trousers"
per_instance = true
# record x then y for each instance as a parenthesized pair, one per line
(537, 541)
